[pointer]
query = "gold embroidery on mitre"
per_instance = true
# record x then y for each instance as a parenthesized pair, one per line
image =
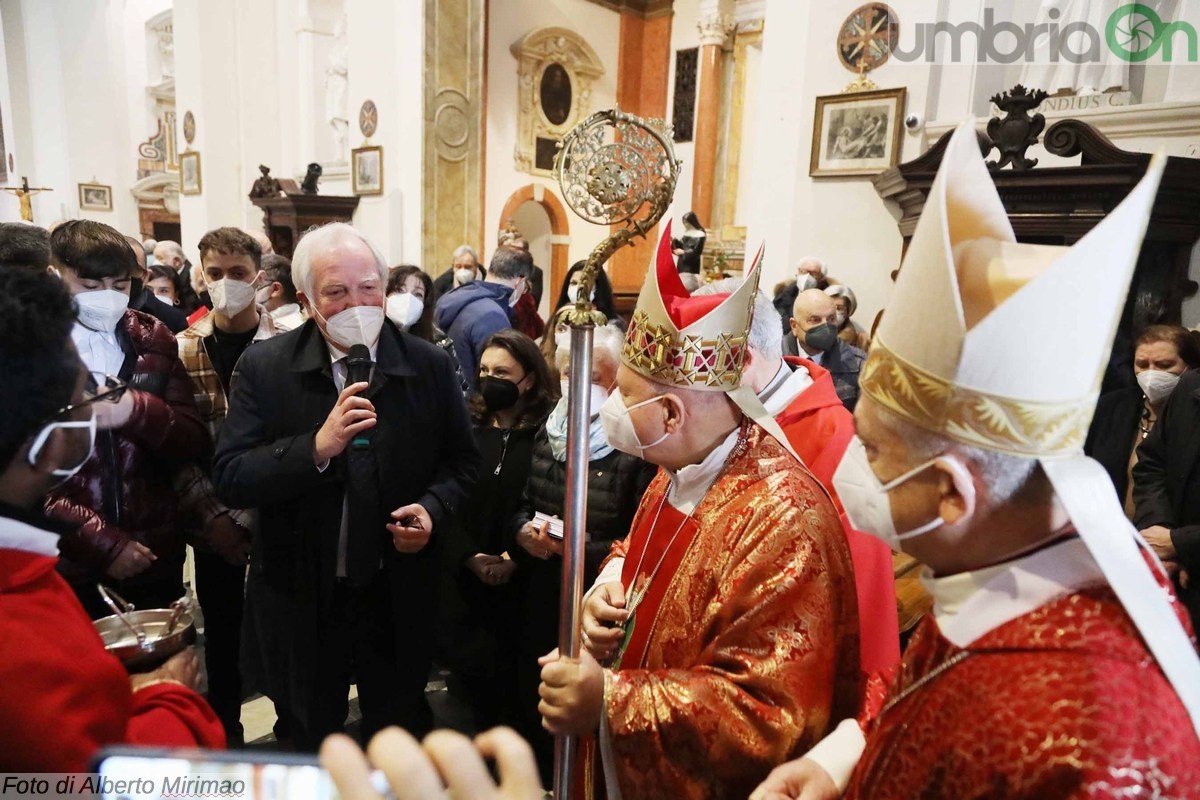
(663, 354)
(1006, 425)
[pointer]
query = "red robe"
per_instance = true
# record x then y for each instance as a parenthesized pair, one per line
(62, 696)
(1064, 701)
(819, 428)
(743, 652)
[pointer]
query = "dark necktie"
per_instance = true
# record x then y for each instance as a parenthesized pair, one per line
(365, 520)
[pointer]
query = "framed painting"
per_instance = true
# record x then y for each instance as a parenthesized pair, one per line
(858, 133)
(366, 170)
(95, 197)
(190, 180)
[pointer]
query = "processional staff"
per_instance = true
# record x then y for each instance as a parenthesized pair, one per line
(613, 169)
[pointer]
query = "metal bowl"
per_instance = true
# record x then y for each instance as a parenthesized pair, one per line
(143, 640)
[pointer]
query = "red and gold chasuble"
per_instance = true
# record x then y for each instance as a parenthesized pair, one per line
(1062, 702)
(743, 648)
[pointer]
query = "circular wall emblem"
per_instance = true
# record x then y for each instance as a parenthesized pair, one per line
(866, 38)
(189, 127)
(368, 118)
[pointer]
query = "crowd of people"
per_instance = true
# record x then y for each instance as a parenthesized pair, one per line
(369, 465)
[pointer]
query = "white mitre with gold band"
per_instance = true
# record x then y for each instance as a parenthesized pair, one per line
(962, 352)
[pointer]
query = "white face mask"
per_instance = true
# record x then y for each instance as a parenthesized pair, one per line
(44, 436)
(355, 325)
(573, 293)
(618, 425)
(165, 300)
(865, 497)
(1157, 385)
(517, 291)
(405, 309)
(230, 297)
(101, 310)
(805, 281)
(464, 275)
(598, 396)
(264, 294)
(840, 317)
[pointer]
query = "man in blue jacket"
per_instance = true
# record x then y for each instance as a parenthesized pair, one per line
(470, 314)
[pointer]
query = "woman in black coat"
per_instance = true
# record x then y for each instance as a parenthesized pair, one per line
(616, 482)
(1124, 417)
(513, 396)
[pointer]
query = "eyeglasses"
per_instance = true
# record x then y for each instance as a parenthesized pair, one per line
(100, 388)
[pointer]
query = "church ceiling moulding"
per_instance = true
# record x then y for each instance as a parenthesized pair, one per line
(643, 8)
(556, 68)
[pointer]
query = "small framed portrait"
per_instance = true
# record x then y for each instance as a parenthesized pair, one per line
(366, 170)
(95, 197)
(858, 133)
(190, 181)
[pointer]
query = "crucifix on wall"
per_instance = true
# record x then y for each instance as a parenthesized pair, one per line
(23, 193)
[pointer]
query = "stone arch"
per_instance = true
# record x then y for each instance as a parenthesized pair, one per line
(560, 241)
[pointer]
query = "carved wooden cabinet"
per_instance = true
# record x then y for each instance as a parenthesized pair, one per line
(1059, 205)
(287, 217)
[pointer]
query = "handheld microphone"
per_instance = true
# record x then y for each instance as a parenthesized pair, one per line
(358, 370)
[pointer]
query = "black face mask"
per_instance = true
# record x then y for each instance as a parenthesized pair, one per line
(498, 394)
(822, 338)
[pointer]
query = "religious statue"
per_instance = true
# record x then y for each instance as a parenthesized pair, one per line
(1107, 72)
(336, 82)
(266, 186)
(23, 193)
(310, 180)
(166, 51)
(690, 246)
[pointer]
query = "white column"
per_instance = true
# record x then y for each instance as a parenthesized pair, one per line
(780, 132)
(387, 62)
(40, 137)
(206, 83)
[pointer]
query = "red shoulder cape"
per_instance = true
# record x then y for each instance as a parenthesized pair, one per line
(819, 428)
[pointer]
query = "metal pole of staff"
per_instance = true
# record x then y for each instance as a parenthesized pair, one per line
(613, 169)
(575, 534)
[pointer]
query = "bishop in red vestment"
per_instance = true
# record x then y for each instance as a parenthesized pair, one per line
(802, 399)
(1056, 662)
(739, 635)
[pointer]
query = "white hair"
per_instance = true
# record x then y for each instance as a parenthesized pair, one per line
(171, 248)
(814, 260)
(464, 250)
(1006, 475)
(606, 339)
(690, 281)
(326, 236)
(766, 334)
(842, 290)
